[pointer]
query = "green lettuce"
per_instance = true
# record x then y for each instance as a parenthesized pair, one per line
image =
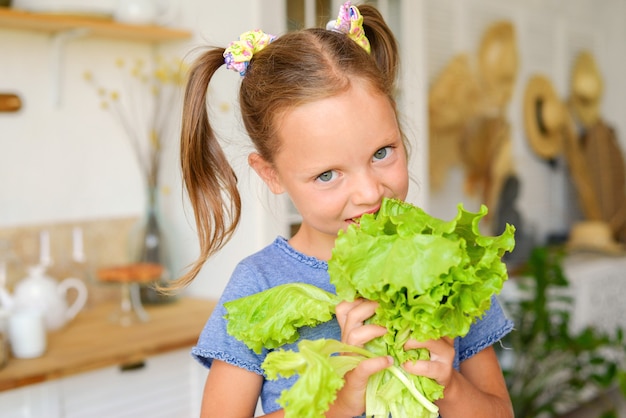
(271, 319)
(320, 375)
(431, 278)
(316, 362)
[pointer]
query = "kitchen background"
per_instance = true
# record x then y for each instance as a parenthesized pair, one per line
(65, 161)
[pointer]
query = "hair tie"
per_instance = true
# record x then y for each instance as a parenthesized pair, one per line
(238, 54)
(350, 22)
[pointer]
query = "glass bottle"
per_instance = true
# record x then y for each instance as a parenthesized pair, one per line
(151, 247)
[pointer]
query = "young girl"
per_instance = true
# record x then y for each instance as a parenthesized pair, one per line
(319, 107)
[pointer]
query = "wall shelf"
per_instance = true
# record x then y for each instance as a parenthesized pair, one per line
(63, 28)
(93, 26)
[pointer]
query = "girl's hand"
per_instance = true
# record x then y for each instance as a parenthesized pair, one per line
(350, 400)
(440, 366)
(351, 316)
(478, 390)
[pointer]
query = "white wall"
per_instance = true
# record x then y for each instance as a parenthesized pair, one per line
(72, 161)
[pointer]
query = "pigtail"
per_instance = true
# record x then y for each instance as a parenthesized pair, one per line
(209, 179)
(382, 42)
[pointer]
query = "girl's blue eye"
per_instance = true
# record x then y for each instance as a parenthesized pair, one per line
(326, 176)
(382, 153)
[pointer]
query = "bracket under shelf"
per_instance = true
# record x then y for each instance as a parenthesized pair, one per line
(59, 40)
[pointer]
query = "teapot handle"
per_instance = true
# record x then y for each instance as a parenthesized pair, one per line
(81, 298)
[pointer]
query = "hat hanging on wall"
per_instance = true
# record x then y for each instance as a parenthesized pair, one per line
(498, 63)
(544, 117)
(586, 88)
(593, 236)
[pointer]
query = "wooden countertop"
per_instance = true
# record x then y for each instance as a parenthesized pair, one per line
(91, 341)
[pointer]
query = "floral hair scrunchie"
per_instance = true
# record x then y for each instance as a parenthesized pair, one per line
(238, 54)
(350, 22)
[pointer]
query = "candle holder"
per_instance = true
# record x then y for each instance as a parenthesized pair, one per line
(130, 310)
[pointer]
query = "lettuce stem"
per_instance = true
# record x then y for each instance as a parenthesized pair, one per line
(399, 374)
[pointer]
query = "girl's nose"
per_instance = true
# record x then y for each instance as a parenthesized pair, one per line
(367, 189)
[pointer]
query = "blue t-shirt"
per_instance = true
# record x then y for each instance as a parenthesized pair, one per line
(279, 263)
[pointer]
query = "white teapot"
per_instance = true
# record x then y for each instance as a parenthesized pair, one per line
(42, 292)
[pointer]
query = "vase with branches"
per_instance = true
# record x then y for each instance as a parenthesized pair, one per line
(143, 105)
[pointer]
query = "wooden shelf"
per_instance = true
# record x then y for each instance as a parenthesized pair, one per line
(105, 27)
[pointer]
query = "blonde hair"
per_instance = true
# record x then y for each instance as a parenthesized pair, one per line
(296, 68)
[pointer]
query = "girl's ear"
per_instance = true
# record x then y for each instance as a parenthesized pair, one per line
(266, 171)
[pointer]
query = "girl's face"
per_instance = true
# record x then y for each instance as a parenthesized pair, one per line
(338, 158)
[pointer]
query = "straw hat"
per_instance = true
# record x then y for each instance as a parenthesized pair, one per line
(452, 101)
(454, 95)
(593, 236)
(586, 89)
(544, 117)
(498, 62)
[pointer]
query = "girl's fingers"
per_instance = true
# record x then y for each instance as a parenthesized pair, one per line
(439, 367)
(429, 345)
(363, 334)
(342, 309)
(359, 375)
(351, 398)
(355, 312)
(351, 316)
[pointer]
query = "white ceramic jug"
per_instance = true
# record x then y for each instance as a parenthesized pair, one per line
(145, 12)
(39, 291)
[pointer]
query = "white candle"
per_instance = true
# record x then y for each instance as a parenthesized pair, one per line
(44, 249)
(78, 253)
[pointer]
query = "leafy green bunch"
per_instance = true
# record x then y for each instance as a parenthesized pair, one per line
(431, 279)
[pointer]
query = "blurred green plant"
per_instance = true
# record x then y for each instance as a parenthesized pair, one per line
(549, 368)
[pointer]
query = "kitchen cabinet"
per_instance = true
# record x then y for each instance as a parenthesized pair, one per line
(94, 367)
(167, 385)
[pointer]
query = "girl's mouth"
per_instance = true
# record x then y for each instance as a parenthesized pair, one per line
(357, 219)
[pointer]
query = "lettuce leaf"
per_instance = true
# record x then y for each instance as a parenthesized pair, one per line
(431, 278)
(321, 375)
(271, 318)
(437, 276)
(317, 361)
